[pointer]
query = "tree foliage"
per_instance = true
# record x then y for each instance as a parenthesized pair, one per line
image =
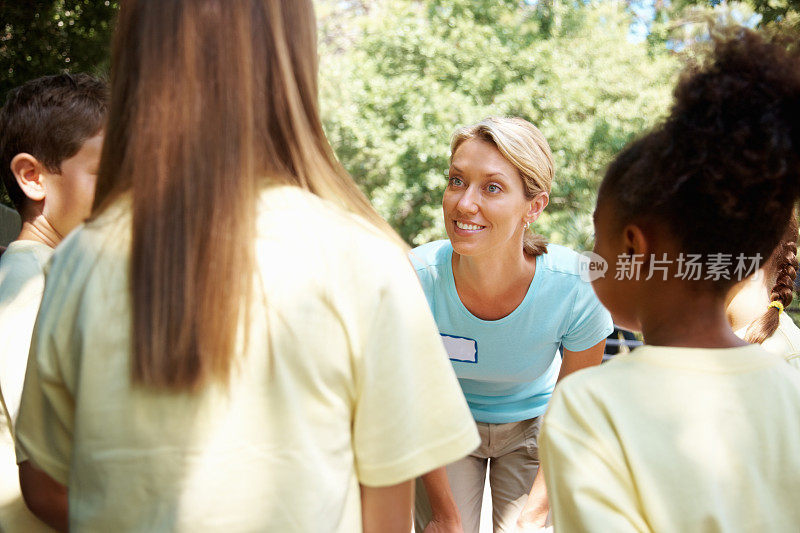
(393, 95)
(398, 76)
(771, 12)
(41, 37)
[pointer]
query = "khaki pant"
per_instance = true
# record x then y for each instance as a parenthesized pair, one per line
(512, 455)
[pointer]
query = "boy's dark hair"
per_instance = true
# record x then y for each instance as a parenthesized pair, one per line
(50, 118)
(722, 172)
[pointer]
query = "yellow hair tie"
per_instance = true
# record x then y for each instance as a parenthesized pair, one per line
(777, 305)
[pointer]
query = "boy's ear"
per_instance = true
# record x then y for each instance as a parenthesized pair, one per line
(29, 174)
(537, 205)
(635, 241)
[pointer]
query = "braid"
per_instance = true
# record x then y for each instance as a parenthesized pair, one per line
(783, 264)
(787, 272)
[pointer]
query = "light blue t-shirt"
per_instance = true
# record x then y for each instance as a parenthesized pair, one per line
(508, 367)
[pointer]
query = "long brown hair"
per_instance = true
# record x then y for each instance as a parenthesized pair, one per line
(209, 99)
(781, 271)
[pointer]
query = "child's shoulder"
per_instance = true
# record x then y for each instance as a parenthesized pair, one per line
(104, 239)
(612, 373)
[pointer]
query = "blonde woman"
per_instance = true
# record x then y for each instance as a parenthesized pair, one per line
(505, 303)
(203, 360)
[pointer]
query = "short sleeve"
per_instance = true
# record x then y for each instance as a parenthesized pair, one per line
(410, 414)
(22, 289)
(589, 321)
(588, 484)
(46, 416)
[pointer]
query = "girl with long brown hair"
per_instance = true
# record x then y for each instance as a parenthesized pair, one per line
(204, 358)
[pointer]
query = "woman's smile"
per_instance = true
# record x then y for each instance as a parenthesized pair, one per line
(484, 204)
(467, 227)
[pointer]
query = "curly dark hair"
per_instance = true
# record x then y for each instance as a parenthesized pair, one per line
(722, 171)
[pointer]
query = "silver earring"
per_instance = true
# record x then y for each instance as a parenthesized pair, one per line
(527, 224)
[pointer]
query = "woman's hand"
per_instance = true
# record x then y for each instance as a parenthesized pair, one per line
(534, 513)
(444, 526)
(533, 522)
(533, 529)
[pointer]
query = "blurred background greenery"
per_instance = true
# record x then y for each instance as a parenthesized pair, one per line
(398, 76)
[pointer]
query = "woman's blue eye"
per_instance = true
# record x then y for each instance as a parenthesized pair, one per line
(493, 188)
(456, 182)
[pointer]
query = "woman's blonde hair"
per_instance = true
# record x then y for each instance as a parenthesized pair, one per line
(209, 99)
(524, 146)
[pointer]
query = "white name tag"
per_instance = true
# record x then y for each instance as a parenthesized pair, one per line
(461, 349)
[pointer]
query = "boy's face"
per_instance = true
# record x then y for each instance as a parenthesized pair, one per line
(71, 192)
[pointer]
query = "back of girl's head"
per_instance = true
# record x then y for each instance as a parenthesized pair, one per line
(525, 147)
(200, 84)
(210, 98)
(722, 172)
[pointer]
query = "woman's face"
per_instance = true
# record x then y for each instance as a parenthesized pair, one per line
(484, 205)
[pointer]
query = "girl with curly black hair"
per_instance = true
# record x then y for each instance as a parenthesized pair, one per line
(698, 430)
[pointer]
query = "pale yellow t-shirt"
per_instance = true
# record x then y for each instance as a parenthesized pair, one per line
(676, 439)
(785, 342)
(21, 286)
(344, 381)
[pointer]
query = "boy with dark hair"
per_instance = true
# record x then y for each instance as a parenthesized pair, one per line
(51, 135)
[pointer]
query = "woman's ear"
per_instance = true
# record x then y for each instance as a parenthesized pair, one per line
(537, 205)
(29, 173)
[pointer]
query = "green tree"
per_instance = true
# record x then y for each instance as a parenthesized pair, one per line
(41, 37)
(393, 94)
(50, 36)
(772, 12)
